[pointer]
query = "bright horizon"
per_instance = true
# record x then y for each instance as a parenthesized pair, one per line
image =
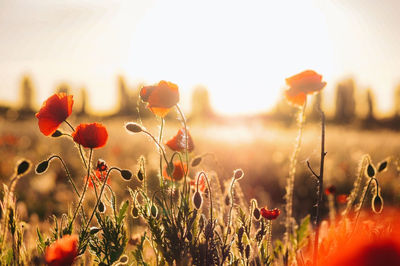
(240, 50)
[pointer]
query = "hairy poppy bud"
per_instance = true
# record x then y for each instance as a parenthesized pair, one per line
(101, 207)
(123, 260)
(247, 251)
(256, 213)
(227, 200)
(135, 212)
(126, 175)
(202, 222)
(240, 233)
(189, 236)
(94, 230)
(42, 167)
(377, 204)
(382, 166)
(56, 134)
(238, 174)
(133, 127)
(196, 161)
(154, 211)
(140, 175)
(197, 200)
(370, 170)
(23, 167)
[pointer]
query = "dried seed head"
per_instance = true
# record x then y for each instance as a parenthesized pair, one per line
(197, 200)
(101, 207)
(42, 167)
(135, 212)
(23, 167)
(126, 175)
(370, 171)
(56, 134)
(196, 161)
(256, 214)
(140, 175)
(238, 174)
(133, 127)
(94, 230)
(154, 211)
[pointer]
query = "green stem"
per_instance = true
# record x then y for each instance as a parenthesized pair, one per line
(186, 147)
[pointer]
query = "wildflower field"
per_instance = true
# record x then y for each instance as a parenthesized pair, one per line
(95, 191)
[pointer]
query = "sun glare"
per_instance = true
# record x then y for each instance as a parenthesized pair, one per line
(241, 55)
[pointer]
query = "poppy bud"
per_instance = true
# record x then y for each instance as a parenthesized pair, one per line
(154, 211)
(140, 175)
(382, 166)
(123, 260)
(135, 212)
(101, 207)
(126, 175)
(42, 167)
(377, 203)
(370, 171)
(196, 161)
(56, 134)
(256, 214)
(201, 222)
(23, 167)
(197, 200)
(94, 230)
(133, 127)
(238, 174)
(227, 200)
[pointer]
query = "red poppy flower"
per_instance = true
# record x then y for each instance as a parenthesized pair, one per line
(161, 97)
(302, 84)
(178, 142)
(99, 178)
(178, 173)
(92, 135)
(53, 112)
(330, 190)
(101, 166)
(63, 251)
(270, 214)
(202, 184)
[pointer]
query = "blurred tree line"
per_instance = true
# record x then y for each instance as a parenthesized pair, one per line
(350, 105)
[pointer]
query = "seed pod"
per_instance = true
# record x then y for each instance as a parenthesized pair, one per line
(238, 174)
(101, 207)
(135, 212)
(94, 230)
(370, 171)
(140, 175)
(23, 167)
(133, 127)
(126, 175)
(256, 214)
(154, 211)
(196, 161)
(56, 134)
(197, 200)
(382, 166)
(42, 167)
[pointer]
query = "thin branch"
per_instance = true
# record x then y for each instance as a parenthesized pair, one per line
(312, 171)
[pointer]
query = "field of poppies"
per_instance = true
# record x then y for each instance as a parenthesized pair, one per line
(163, 192)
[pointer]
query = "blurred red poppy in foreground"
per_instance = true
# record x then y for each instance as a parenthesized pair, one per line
(375, 241)
(161, 97)
(302, 84)
(270, 214)
(330, 190)
(178, 142)
(177, 174)
(53, 112)
(92, 135)
(63, 251)
(342, 198)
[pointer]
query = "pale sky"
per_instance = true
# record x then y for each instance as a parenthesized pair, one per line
(241, 50)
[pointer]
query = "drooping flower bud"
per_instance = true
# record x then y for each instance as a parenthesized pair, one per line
(238, 174)
(197, 200)
(133, 127)
(23, 167)
(196, 161)
(256, 213)
(126, 175)
(42, 167)
(154, 211)
(56, 134)
(101, 207)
